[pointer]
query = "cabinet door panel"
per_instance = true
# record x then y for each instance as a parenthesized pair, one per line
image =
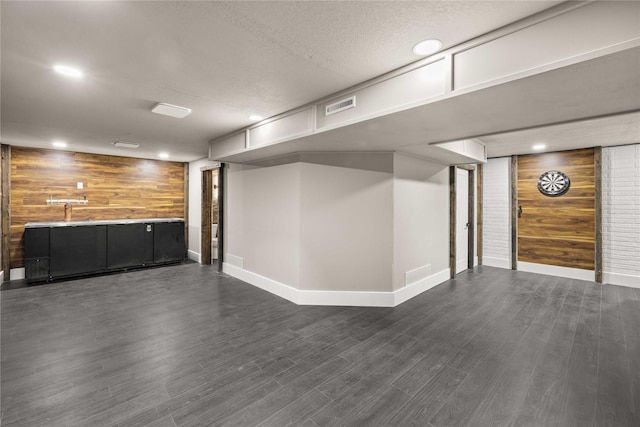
(125, 245)
(76, 250)
(168, 242)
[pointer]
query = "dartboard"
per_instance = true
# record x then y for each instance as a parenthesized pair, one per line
(553, 183)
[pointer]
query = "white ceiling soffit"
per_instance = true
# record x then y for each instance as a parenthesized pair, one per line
(223, 60)
(555, 96)
(621, 129)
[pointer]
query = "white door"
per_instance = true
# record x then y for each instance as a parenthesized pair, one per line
(462, 219)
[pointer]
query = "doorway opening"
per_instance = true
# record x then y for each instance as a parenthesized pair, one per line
(212, 217)
(462, 219)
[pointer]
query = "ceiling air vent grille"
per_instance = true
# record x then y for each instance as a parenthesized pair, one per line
(342, 105)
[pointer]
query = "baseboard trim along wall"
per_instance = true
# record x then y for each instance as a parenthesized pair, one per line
(554, 270)
(621, 280)
(193, 255)
(496, 262)
(337, 298)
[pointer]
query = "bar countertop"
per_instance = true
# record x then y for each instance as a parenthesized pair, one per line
(99, 222)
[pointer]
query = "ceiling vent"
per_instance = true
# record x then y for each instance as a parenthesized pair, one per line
(342, 105)
(124, 144)
(171, 110)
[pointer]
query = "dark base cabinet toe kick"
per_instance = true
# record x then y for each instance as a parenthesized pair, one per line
(56, 250)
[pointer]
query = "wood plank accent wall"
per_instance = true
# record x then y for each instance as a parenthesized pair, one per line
(116, 188)
(557, 230)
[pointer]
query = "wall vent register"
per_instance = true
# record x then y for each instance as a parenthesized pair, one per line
(342, 105)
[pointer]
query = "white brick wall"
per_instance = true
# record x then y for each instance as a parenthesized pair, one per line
(621, 215)
(496, 213)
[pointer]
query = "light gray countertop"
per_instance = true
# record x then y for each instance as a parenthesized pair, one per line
(99, 222)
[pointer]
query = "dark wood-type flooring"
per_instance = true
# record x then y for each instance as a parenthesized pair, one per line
(186, 346)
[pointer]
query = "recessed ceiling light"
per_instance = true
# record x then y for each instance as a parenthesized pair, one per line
(163, 155)
(171, 110)
(59, 144)
(256, 117)
(68, 71)
(427, 47)
(539, 147)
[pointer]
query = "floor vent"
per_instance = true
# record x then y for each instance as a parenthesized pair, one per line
(336, 107)
(417, 275)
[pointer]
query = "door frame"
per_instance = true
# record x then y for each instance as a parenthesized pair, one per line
(206, 211)
(452, 217)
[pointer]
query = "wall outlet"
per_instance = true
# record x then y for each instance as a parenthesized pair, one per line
(80, 186)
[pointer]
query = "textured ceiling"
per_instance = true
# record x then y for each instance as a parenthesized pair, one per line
(224, 60)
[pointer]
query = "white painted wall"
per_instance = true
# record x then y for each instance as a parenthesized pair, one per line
(234, 211)
(271, 222)
(496, 213)
(346, 227)
(195, 206)
(621, 215)
(420, 217)
(338, 229)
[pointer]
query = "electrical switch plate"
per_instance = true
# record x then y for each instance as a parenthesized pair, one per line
(80, 186)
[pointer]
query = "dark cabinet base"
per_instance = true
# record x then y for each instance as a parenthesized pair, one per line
(71, 251)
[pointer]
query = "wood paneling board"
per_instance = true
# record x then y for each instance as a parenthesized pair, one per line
(205, 216)
(514, 212)
(221, 206)
(116, 188)
(5, 172)
(452, 221)
(557, 230)
(597, 159)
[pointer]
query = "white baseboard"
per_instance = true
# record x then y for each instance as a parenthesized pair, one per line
(621, 279)
(337, 298)
(496, 262)
(16, 274)
(554, 270)
(415, 289)
(269, 285)
(193, 255)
